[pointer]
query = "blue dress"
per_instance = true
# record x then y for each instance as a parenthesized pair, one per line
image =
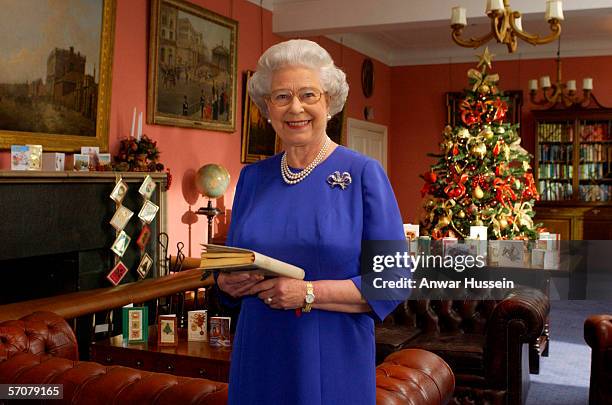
(321, 357)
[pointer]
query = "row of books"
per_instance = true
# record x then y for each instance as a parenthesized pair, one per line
(593, 170)
(553, 132)
(595, 192)
(552, 191)
(555, 170)
(595, 132)
(597, 152)
(556, 152)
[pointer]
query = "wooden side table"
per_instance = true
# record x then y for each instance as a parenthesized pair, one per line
(188, 359)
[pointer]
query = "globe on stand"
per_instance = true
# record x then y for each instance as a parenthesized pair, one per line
(211, 180)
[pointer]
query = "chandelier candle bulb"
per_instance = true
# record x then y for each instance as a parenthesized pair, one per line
(458, 16)
(554, 10)
(495, 5)
(533, 85)
(571, 85)
(587, 83)
(545, 82)
(518, 23)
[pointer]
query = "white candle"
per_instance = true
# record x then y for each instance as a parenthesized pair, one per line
(533, 85)
(587, 83)
(139, 126)
(495, 5)
(571, 85)
(133, 123)
(545, 82)
(518, 22)
(554, 9)
(458, 16)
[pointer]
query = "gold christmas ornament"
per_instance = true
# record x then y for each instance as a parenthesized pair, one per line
(488, 134)
(506, 150)
(484, 89)
(448, 131)
(443, 221)
(463, 133)
(478, 222)
(503, 223)
(479, 150)
(461, 214)
(447, 145)
(478, 193)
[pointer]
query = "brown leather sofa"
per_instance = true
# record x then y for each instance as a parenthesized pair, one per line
(41, 348)
(485, 342)
(598, 335)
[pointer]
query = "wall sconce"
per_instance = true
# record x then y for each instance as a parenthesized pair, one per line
(506, 25)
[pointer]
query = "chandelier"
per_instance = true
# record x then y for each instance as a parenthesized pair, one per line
(506, 25)
(561, 93)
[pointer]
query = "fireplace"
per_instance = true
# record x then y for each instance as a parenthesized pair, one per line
(56, 235)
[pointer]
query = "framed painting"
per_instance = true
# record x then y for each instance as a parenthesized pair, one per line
(514, 98)
(55, 75)
(336, 127)
(192, 67)
(258, 136)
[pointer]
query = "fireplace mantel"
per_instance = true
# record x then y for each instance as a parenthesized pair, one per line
(66, 215)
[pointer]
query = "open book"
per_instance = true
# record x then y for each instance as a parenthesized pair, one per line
(228, 259)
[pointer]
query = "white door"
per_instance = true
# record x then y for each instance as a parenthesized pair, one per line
(369, 139)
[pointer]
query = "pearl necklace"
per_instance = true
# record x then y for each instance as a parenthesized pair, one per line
(293, 178)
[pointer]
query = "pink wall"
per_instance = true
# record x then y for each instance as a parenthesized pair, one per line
(185, 150)
(414, 111)
(418, 112)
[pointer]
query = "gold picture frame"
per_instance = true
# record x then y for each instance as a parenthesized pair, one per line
(258, 137)
(192, 67)
(77, 92)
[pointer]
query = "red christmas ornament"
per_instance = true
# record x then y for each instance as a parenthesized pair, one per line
(457, 188)
(430, 176)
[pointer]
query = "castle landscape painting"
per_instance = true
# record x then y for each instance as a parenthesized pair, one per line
(49, 66)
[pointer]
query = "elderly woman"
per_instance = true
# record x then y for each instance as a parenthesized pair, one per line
(306, 341)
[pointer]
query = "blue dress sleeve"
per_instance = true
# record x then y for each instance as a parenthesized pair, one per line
(226, 299)
(381, 221)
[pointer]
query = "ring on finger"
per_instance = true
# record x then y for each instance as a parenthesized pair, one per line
(269, 300)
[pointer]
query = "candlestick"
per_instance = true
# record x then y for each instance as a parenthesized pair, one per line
(139, 126)
(458, 16)
(133, 123)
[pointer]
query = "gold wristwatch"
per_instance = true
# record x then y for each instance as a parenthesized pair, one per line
(310, 297)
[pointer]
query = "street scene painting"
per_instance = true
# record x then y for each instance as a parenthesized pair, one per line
(52, 72)
(192, 67)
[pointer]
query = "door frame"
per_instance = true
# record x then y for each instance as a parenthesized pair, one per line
(354, 123)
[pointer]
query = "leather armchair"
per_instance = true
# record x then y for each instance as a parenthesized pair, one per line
(41, 348)
(598, 335)
(485, 342)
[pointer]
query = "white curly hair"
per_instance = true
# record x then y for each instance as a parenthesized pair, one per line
(299, 52)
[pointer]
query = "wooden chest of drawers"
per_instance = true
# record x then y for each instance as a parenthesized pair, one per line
(188, 359)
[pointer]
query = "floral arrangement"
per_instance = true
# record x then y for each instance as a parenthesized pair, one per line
(138, 156)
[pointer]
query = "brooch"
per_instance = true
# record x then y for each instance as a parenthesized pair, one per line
(336, 179)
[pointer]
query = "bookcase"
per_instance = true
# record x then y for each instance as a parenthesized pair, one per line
(573, 169)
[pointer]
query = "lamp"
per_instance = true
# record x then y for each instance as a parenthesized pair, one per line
(212, 181)
(506, 25)
(561, 93)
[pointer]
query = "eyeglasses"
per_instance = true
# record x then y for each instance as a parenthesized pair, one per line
(284, 97)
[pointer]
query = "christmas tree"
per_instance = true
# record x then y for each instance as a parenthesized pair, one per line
(483, 176)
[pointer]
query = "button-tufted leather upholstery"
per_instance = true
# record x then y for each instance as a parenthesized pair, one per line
(598, 335)
(483, 341)
(41, 349)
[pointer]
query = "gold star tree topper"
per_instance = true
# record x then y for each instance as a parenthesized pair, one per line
(484, 60)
